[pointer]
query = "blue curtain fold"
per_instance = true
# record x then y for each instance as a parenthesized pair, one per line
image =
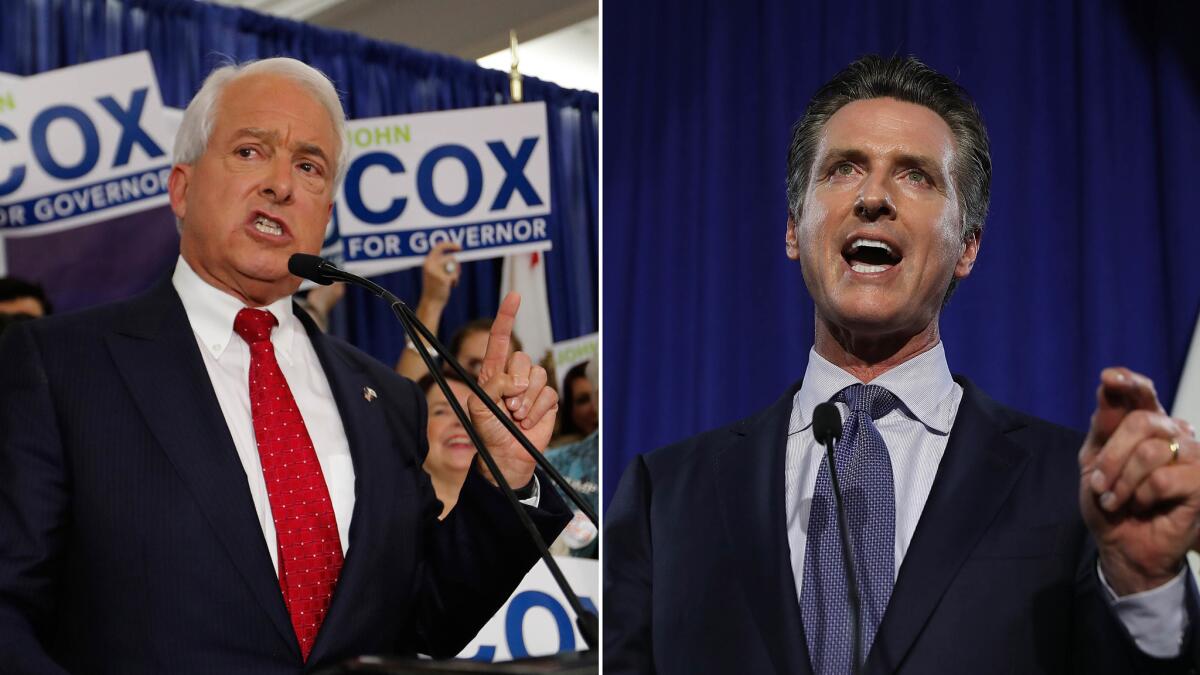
(1094, 114)
(187, 39)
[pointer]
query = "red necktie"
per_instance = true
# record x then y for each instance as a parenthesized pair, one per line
(310, 554)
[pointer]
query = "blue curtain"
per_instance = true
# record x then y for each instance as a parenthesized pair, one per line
(187, 39)
(1094, 117)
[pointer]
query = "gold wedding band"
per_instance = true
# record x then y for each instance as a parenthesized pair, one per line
(1174, 450)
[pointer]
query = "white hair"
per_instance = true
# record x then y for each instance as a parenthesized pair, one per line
(200, 116)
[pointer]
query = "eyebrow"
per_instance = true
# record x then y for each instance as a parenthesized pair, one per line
(272, 137)
(921, 162)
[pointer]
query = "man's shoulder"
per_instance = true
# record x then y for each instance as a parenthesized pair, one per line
(977, 407)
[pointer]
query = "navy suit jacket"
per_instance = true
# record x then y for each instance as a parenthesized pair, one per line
(129, 542)
(1000, 576)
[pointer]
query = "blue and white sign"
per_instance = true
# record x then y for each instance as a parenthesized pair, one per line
(479, 177)
(536, 620)
(80, 145)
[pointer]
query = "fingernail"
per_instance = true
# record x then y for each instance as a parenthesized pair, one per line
(514, 403)
(521, 381)
(1108, 501)
(1098, 480)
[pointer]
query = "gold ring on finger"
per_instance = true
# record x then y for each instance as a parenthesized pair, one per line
(1174, 450)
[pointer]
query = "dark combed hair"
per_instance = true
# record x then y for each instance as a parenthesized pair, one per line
(904, 79)
(12, 288)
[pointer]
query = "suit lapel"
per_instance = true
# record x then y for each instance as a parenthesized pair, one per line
(750, 473)
(156, 354)
(367, 435)
(975, 477)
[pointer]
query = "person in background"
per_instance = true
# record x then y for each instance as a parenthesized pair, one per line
(451, 452)
(579, 463)
(320, 301)
(439, 276)
(21, 300)
(579, 414)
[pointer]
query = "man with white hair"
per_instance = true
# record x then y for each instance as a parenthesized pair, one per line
(198, 481)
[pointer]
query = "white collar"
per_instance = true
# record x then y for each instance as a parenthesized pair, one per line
(211, 312)
(922, 384)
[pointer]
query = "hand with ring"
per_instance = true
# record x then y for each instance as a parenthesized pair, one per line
(1139, 489)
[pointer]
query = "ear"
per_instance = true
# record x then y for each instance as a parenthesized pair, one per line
(177, 187)
(791, 242)
(966, 262)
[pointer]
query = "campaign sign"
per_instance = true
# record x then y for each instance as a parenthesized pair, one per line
(536, 620)
(570, 353)
(479, 177)
(81, 145)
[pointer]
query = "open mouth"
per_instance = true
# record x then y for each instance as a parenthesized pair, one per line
(458, 442)
(870, 256)
(267, 225)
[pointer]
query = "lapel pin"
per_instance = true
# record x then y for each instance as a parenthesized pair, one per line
(369, 394)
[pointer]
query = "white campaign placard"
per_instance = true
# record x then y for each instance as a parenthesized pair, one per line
(569, 353)
(80, 145)
(479, 177)
(536, 620)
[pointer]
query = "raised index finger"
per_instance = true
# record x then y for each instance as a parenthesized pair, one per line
(496, 353)
(1125, 389)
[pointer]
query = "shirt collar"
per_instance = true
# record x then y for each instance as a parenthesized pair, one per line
(211, 312)
(922, 384)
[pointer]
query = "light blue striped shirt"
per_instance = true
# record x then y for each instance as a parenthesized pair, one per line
(916, 434)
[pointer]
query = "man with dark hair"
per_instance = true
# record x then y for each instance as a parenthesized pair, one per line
(18, 296)
(981, 539)
(21, 300)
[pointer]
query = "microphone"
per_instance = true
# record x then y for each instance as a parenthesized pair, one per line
(321, 271)
(827, 422)
(311, 267)
(827, 428)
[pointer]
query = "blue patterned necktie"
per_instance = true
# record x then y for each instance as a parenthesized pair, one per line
(864, 472)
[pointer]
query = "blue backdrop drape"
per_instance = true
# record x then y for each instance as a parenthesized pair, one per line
(187, 39)
(1094, 117)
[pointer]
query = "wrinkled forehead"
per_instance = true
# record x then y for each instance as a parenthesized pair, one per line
(887, 128)
(283, 109)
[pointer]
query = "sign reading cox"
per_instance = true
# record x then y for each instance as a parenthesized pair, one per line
(478, 177)
(82, 144)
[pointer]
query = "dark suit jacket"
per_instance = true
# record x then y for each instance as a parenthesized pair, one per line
(129, 541)
(1000, 577)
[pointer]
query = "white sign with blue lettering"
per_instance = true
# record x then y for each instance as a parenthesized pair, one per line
(537, 620)
(479, 177)
(81, 145)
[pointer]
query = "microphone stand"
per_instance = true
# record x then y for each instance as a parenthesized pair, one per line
(847, 559)
(585, 620)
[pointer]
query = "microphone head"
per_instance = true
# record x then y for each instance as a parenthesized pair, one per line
(827, 423)
(309, 267)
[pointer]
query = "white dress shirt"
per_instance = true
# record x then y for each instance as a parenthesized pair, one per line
(227, 357)
(916, 433)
